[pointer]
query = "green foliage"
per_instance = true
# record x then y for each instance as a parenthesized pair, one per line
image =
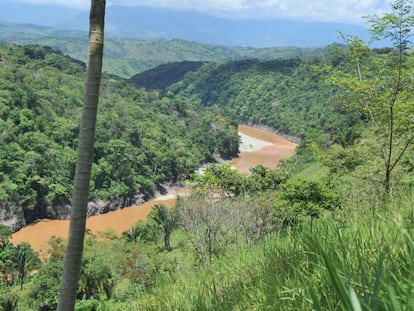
(27, 261)
(263, 179)
(381, 86)
(223, 180)
(141, 231)
(95, 279)
(220, 179)
(5, 234)
(347, 137)
(308, 194)
(290, 95)
(341, 160)
(46, 284)
(7, 262)
(309, 235)
(346, 260)
(306, 198)
(166, 220)
(170, 73)
(29, 148)
(8, 299)
(56, 248)
(87, 305)
(15, 261)
(143, 139)
(120, 53)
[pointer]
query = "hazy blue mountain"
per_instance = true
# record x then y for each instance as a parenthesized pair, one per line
(44, 15)
(127, 56)
(194, 26)
(156, 23)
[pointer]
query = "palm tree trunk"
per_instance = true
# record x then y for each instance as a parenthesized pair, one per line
(73, 257)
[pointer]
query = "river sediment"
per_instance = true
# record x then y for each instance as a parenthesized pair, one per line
(259, 146)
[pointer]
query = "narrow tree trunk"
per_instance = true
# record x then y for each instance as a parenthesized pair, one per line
(73, 257)
(167, 243)
(387, 182)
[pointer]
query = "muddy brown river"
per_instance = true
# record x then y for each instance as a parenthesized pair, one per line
(261, 147)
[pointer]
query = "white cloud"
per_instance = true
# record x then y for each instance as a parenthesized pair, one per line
(321, 10)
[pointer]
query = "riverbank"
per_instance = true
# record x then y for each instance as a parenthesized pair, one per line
(258, 146)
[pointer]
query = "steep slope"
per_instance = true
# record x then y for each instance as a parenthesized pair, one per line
(288, 95)
(164, 75)
(142, 139)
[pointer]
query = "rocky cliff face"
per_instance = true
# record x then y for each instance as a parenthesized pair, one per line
(98, 207)
(16, 217)
(12, 216)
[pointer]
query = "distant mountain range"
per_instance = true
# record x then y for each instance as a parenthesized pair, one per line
(126, 57)
(167, 24)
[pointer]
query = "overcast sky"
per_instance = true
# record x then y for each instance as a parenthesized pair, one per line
(315, 10)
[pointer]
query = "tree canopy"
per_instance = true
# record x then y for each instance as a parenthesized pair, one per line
(143, 138)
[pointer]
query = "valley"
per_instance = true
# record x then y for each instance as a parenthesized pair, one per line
(268, 152)
(329, 228)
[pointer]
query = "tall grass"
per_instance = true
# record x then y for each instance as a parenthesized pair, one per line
(354, 261)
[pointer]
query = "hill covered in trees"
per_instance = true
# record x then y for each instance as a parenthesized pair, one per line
(143, 139)
(331, 228)
(291, 96)
(126, 57)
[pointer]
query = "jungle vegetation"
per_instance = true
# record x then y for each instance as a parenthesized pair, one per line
(143, 138)
(329, 229)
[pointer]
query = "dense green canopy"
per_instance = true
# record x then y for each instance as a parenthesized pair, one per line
(143, 138)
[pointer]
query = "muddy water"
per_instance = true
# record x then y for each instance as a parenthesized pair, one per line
(267, 154)
(119, 221)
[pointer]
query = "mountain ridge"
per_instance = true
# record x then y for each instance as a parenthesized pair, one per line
(126, 57)
(160, 23)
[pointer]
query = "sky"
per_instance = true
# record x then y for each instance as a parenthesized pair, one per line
(349, 11)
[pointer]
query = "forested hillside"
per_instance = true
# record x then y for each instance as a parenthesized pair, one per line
(126, 57)
(143, 139)
(291, 96)
(331, 229)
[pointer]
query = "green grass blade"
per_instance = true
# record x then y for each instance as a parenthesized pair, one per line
(336, 280)
(354, 299)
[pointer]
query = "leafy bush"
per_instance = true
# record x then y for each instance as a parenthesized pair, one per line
(302, 198)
